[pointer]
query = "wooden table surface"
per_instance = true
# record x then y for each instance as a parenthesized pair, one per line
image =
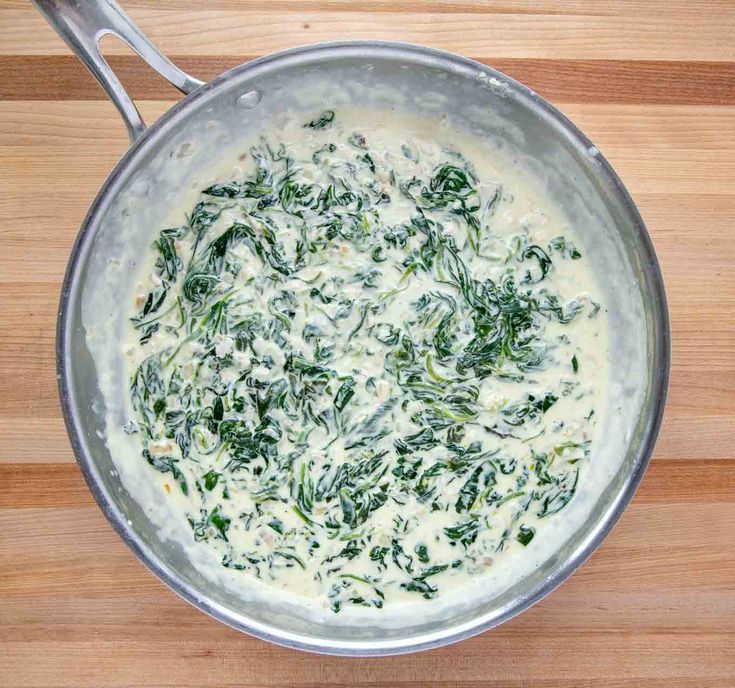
(652, 82)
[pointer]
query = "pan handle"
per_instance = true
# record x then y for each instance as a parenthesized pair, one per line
(82, 23)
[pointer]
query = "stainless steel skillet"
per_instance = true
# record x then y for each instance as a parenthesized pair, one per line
(375, 74)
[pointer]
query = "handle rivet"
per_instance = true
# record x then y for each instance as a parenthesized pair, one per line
(249, 99)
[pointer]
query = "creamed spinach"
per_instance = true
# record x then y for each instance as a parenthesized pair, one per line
(359, 371)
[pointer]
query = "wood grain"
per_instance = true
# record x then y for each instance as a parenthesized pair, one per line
(657, 82)
(652, 82)
(702, 35)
